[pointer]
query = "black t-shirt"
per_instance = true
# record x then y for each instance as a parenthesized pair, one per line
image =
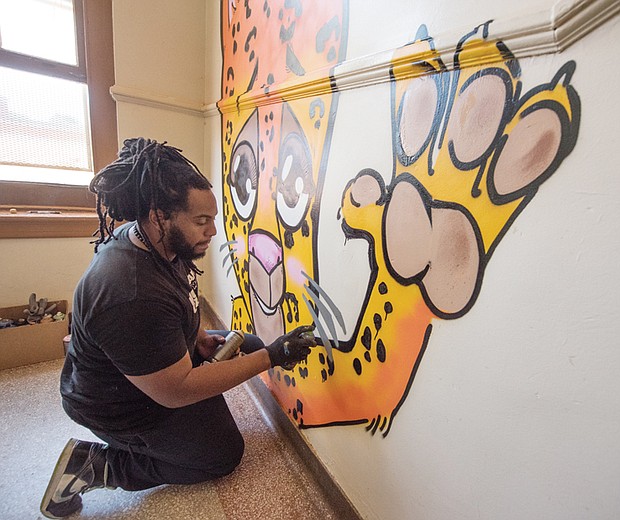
(132, 317)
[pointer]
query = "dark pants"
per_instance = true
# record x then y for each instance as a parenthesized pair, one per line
(194, 443)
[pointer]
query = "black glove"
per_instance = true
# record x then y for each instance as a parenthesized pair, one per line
(290, 349)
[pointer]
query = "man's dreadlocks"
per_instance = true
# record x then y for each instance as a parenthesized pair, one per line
(147, 175)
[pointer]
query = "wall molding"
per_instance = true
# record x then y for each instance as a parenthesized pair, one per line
(533, 34)
(538, 33)
(157, 100)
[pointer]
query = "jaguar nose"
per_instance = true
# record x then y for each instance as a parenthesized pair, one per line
(266, 271)
(266, 249)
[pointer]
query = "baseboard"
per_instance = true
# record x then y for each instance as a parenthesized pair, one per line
(282, 423)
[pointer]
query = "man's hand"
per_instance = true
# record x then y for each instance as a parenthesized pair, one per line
(291, 348)
(206, 344)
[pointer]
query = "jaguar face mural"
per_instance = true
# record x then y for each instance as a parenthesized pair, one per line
(275, 146)
(470, 150)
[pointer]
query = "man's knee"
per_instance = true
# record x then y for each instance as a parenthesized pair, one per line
(231, 458)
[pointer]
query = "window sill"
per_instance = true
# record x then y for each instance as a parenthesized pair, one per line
(47, 223)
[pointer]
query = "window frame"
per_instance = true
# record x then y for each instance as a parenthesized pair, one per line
(35, 210)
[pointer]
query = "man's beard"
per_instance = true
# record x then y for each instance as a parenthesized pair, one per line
(180, 246)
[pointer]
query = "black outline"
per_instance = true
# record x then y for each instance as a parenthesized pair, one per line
(245, 129)
(568, 138)
(418, 279)
(301, 136)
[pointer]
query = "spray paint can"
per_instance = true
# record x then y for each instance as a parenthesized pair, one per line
(229, 348)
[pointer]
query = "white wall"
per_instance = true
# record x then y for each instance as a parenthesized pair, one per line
(159, 60)
(49, 267)
(513, 412)
(374, 28)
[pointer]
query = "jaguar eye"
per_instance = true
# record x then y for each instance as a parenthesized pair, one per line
(243, 179)
(295, 183)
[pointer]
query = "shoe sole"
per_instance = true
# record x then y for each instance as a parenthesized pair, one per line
(59, 471)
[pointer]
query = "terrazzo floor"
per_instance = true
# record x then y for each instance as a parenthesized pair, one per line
(270, 483)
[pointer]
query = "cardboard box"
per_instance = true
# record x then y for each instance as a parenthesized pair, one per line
(30, 344)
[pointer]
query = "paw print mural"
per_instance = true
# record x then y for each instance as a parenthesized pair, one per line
(471, 150)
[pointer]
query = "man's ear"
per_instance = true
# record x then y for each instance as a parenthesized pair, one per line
(157, 216)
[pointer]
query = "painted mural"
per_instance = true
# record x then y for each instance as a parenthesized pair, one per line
(470, 149)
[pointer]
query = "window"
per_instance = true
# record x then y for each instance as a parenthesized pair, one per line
(44, 119)
(57, 118)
